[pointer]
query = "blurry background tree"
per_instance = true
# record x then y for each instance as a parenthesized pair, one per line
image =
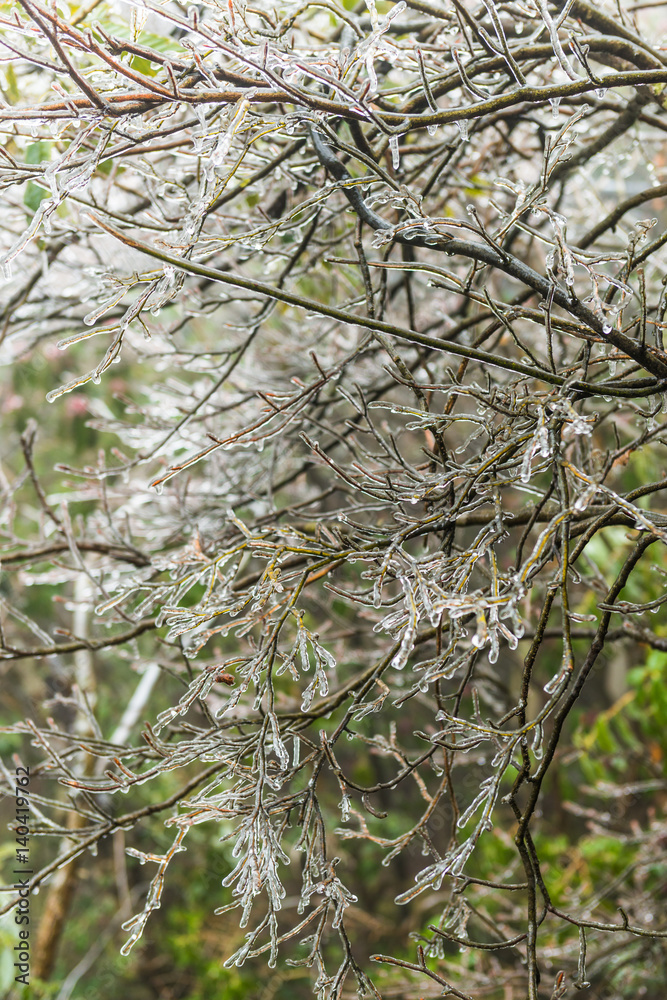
(333, 493)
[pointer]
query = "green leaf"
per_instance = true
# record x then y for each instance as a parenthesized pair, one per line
(12, 91)
(144, 66)
(37, 152)
(34, 194)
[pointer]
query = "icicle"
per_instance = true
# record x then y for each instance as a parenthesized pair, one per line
(395, 156)
(463, 127)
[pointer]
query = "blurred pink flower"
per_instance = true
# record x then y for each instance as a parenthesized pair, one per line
(76, 405)
(11, 403)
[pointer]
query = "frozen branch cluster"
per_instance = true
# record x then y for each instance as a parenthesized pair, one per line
(370, 302)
